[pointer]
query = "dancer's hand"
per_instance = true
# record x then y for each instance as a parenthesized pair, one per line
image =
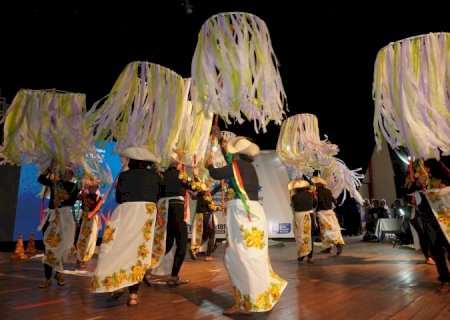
(195, 171)
(209, 162)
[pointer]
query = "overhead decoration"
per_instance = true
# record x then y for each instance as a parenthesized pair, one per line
(45, 125)
(235, 71)
(145, 107)
(194, 134)
(341, 179)
(299, 146)
(302, 151)
(411, 92)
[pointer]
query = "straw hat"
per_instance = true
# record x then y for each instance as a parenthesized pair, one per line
(318, 180)
(139, 153)
(297, 184)
(242, 145)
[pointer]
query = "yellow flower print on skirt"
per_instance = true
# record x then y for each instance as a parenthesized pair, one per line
(253, 238)
(302, 233)
(124, 258)
(161, 263)
(53, 239)
(159, 237)
(59, 237)
(197, 241)
(197, 231)
(108, 234)
(87, 240)
(330, 230)
(151, 207)
(439, 200)
(257, 288)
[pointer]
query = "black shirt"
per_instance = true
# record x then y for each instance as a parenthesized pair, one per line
(302, 200)
(172, 185)
(424, 210)
(67, 191)
(325, 199)
(248, 174)
(138, 185)
(204, 201)
(90, 201)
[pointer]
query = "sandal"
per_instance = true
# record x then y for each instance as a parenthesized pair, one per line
(115, 295)
(47, 283)
(132, 300)
(60, 279)
(310, 260)
(193, 254)
(146, 281)
(443, 288)
(339, 248)
(209, 258)
(176, 281)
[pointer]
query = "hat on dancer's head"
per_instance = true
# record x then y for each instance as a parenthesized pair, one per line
(318, 180)
(298, 184)
(139, 153)
(243, 146)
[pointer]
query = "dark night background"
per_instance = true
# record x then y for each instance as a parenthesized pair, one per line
(326, 52)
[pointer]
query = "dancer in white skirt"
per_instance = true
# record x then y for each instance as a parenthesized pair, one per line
(257, 288)
(330, 230)
(58, 224)
(126, 249)
(302, 201)
(88, 233)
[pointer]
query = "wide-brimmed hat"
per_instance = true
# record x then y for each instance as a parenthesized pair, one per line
(318, 180)
(177, 155)
(139, 153)
(242, 145)
(297, 184)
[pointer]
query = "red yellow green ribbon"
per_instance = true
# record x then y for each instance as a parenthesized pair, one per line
(238, 185)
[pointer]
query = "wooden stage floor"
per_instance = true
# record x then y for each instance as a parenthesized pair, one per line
(368, 281)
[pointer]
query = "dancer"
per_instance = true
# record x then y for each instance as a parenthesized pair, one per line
(257, 288)
(174, 205)
(432, 230)
(330, 230)
(58, 224)
(88, 231)
(302, 201)
(125, 252)
(204, 224)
